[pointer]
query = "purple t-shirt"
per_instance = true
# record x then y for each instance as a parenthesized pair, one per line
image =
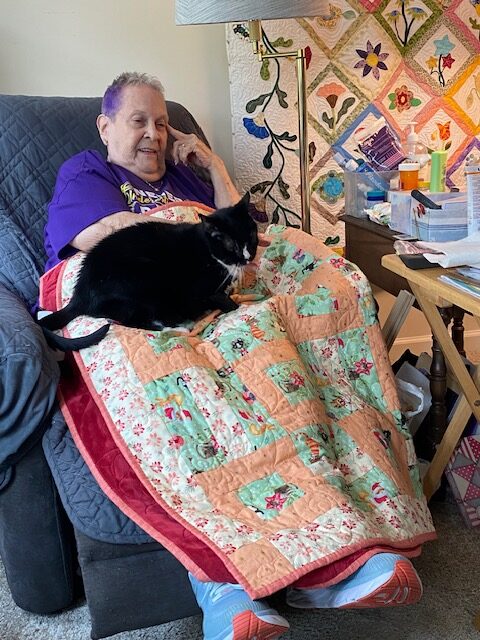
(89, 188)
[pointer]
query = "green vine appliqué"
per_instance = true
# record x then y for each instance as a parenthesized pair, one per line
(403, 18)
(259, 127)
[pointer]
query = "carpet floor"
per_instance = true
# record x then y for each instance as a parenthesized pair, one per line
(449, 568)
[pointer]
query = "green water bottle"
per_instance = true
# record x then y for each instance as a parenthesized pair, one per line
(438, 169)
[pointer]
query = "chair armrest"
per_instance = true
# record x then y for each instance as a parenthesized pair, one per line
(28, 380)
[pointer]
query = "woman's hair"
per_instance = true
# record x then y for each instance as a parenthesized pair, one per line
(113, 94)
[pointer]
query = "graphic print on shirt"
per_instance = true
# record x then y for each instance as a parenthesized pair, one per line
(140, 200)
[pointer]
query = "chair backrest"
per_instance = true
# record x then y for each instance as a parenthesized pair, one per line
(37, 134)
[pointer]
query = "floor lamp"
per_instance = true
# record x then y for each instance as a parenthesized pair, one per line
(253, 11)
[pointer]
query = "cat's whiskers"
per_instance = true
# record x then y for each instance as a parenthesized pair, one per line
(234, 271)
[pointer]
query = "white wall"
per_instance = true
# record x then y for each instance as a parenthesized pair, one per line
(76, 47)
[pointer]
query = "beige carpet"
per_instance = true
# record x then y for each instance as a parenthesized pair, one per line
(449, 567)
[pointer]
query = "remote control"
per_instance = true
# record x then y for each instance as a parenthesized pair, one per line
(416, 261)
(423, 199)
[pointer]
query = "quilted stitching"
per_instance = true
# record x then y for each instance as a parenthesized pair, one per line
(89, 509)
(37, 134)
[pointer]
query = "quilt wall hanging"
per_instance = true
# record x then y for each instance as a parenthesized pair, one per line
(405, 60)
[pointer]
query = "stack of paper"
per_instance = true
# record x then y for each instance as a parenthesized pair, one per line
(464, 278)
(454, 254)
(472, 289)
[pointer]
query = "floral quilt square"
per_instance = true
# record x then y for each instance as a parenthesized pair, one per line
(347, 364)
(188, 428)
(440, 127)
(320, 303)
(293, 381)
(369, 57)
(403, 98)
(441, 55)
(327, 190)
(464, 95)
(330, 30)
(466, 14)
(406, 20)
(316, 447)
(333, 102)
(269, 496)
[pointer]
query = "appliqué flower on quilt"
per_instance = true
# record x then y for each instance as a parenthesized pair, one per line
(403, 60)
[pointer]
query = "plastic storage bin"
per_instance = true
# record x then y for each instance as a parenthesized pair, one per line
(357, 184)
(440, 225)
(400, 219)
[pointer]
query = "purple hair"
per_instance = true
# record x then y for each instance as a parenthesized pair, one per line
(113, 95)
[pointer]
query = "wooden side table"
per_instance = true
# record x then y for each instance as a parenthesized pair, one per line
(366, 243)
(432, 295)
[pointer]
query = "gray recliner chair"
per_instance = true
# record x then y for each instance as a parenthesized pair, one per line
(55, 521)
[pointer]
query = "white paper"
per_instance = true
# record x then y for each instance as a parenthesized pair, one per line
(454, 254)
(473, 197)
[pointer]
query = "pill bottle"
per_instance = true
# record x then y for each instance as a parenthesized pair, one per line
(408, 175)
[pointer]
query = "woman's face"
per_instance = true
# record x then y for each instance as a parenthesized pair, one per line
(136, 136)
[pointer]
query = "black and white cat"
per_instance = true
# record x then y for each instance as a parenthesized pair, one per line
(157, 274)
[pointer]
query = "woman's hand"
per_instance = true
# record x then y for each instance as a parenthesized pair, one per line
(187, 147)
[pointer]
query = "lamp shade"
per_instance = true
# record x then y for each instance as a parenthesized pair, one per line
(208, 11)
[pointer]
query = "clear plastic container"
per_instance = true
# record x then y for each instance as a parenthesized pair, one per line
(358, 184)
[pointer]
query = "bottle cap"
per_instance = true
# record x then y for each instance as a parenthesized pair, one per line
(409, 166)
(412, 136)
(423, 184)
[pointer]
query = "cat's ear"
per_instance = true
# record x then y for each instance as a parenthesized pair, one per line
(246, 199)
(206, 220)
(242, 204)
(209, 224)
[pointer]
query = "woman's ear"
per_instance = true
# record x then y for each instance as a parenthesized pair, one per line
(102, 126)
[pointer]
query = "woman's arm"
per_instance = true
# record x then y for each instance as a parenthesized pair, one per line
(90, 236)
(188, 148)
(223, 187)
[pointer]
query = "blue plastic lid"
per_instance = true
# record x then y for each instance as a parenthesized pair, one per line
(375, 195)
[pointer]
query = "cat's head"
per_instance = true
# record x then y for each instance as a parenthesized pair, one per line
(232, 233)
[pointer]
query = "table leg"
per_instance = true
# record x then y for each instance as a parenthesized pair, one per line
(469, 386)
(458, 330)
(438, 388)
(446, 447)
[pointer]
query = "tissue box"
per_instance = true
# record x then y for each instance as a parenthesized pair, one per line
(440, 225)
(463, 474)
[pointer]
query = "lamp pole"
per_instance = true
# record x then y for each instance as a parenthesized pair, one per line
(255, 32)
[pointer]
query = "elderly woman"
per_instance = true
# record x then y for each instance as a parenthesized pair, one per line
(93, 198)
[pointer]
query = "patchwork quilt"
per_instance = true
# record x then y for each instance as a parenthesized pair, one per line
(264, 447)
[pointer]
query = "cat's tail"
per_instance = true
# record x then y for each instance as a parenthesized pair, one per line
(58, 320)
(74, 344)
